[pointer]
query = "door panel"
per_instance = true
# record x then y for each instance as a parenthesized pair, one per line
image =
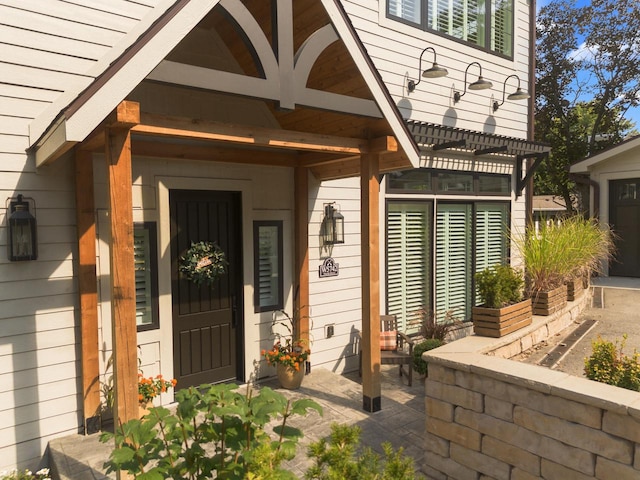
(207, 337)
(624, 215)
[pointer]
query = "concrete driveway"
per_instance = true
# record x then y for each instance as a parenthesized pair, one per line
(615, 311)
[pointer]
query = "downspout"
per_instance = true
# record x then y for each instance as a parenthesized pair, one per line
(532, 102)
(596, 191)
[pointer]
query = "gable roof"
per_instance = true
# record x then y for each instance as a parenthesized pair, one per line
(76, 114)
(583, 166)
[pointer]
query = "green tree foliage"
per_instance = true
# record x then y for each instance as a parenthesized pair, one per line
(588, 76)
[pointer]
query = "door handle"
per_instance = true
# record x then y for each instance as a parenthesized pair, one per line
(234, 310)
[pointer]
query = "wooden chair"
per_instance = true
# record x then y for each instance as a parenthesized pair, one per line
(392, 347)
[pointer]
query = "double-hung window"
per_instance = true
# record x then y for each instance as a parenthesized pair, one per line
(487, 24)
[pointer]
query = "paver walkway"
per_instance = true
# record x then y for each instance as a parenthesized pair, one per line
(400, 422)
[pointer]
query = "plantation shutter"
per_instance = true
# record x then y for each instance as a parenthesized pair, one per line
(502, 26)
(408, 261)
(463, 19)
(406, 9)
(268, 266)
(453, 261)
(142, 262)
(491, 235)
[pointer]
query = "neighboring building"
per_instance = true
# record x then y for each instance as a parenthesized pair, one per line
(614, 175)
(134, 128)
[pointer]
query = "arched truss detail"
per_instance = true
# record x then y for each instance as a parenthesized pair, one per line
(251, 29)
(309, 52)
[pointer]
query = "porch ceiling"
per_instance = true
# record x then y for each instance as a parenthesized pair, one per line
(327, 156)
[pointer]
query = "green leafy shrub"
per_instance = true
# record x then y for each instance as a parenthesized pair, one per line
(608, 364)
(499, 286)
(419, 365)
(42, 474)
(215, 432)
(339, 458)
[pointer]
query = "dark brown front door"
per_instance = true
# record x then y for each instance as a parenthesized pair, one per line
(207, 336)
(624, 216)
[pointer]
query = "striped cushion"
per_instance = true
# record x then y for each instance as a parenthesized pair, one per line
(389, 340)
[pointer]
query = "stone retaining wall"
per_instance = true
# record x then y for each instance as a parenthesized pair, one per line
(493, 418)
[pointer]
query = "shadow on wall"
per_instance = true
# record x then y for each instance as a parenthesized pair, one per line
(39, 369)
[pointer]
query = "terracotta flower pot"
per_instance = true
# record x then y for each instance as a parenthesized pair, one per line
(289, 377)
(143, 408)
(496, 322)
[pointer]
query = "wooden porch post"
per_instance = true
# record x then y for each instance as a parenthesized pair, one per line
(301, 303)
(123, 296)
(87, 289)
(369, 217)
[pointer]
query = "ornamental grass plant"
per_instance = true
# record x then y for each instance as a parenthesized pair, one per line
(561, 250)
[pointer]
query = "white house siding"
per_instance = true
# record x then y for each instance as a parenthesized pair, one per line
(335, 300)
(395, 49)
(46, 48)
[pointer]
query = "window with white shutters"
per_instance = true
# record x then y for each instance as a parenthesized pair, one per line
(487, 24)
(144, 257)
(268, 262)
(453, 260)
(408, 261)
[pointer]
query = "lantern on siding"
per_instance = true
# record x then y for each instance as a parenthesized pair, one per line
(333, 225)
(21, 230)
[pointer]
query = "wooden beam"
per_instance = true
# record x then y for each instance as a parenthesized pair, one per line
(95, 140)
(301, 222)
(311, 160)
(344, 169)
(126, 115)
(385, 144)
(87, 290)
(123, 297)
(213, 153)
(370, 247)
(178, 127)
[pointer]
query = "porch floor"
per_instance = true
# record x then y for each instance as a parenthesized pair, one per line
(400, 422)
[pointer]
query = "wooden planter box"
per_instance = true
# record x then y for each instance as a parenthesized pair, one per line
(496, 322)
(546, 303)
(575, 289)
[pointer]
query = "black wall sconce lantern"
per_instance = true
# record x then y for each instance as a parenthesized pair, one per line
(479, 84)
(22, 242)
(332, 225)
(436, 71)
(519, 94)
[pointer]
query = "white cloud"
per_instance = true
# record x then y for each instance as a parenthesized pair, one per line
(582, 53)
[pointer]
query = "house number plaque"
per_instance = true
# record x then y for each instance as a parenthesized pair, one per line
(329, 268)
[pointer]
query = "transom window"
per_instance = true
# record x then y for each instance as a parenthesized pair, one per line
(424, 180)
(487, 24)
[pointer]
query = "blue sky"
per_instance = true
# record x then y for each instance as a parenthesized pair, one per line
(632, 114)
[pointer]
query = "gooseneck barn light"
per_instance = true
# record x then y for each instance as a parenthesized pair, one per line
(519, 94)
(436, 71)
(479, 84)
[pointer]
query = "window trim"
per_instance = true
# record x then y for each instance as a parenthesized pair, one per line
(423, 25)
(152, 229)
(257, 224)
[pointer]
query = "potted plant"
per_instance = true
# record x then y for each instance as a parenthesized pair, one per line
(434, 330)
(547, 254)
(149, 388)
(289, 353)
(503, 309)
